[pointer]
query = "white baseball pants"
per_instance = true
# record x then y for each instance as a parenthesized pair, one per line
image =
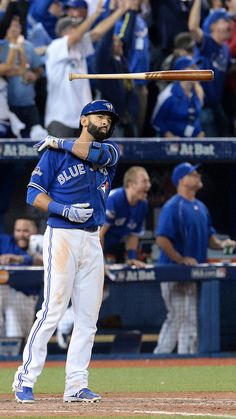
(73, 269)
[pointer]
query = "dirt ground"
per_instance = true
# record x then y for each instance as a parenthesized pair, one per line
(136, 404)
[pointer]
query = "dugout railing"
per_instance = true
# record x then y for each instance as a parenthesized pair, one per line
(130, 286)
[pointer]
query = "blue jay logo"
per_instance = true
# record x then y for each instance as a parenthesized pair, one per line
(103, 187)
(109, 106)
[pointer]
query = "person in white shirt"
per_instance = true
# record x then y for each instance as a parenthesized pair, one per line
(68, 53)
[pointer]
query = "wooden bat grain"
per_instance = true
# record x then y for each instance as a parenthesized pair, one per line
(171, 75)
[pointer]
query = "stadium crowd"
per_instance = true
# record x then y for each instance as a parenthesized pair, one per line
(41, 41)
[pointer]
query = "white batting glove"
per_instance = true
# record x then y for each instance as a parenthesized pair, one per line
(78, 213)
(49, 141)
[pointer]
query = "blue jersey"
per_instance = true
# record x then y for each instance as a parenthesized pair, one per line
(187, 224)
(123, 218)
(8, 245)
(70, 180)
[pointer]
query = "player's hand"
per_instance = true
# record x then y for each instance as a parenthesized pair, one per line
(78, 213)
(8, 259)
(189, 261)
(49, 141)
(137, 263)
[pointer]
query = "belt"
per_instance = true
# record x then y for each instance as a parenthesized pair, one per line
(90, 229)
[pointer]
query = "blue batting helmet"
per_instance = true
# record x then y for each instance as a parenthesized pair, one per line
(102, 106)
(77, 3)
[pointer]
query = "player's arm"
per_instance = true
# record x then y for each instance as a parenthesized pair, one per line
(166, 245)
(12, 259)
(78, 213)
(131, 246)
(100, 154)
(103, 232)
(194, 21)
(217, 244)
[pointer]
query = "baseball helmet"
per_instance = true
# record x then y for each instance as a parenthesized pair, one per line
(77, 3)
(101, 106)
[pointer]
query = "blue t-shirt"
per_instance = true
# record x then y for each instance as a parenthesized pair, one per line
(70, 180)
(187, 224)
(123, 218)
(177, 112)
(19, 92)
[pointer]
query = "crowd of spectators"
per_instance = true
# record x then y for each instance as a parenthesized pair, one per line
(41, 41)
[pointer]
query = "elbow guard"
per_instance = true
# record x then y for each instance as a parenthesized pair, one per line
(100, 154)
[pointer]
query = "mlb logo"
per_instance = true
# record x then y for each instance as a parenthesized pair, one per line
(172, 148)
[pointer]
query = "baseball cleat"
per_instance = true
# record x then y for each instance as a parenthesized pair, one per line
(84, 395)
(24, 395)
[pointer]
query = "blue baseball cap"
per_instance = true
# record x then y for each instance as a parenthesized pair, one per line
(184, 62)
(213, 16)
(82, 4)
(181, 170)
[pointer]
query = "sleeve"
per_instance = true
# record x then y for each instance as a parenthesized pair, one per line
(44, 173)
(114, 151)
(167, 223)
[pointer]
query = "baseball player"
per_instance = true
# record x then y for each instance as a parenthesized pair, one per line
(126, 210)
(184, 233)
(17, 304)
(71, 181)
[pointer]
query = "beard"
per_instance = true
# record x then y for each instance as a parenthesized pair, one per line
(96, 132)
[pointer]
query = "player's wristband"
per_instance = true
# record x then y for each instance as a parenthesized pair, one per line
(66, 145)
(56, 208)
(132, 254)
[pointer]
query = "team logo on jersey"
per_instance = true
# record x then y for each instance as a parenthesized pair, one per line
(131, 224)
(37, 171)
(109, 106)
(103, 187)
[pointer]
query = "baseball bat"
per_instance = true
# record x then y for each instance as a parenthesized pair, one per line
(171, 75)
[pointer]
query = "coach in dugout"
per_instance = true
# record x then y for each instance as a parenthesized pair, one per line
(184, 232)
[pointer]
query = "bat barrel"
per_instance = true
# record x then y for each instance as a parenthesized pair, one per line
(171, 75)
(181, 75)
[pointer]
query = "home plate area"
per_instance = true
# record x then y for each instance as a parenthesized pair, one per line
(221, 405)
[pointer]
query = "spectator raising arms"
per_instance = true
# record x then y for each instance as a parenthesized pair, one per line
(21, 88)
(212, 52)
(68, 54)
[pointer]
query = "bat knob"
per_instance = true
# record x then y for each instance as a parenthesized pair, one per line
(70, 76)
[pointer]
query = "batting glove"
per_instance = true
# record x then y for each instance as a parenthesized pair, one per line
(78, 213)
(49, 141)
